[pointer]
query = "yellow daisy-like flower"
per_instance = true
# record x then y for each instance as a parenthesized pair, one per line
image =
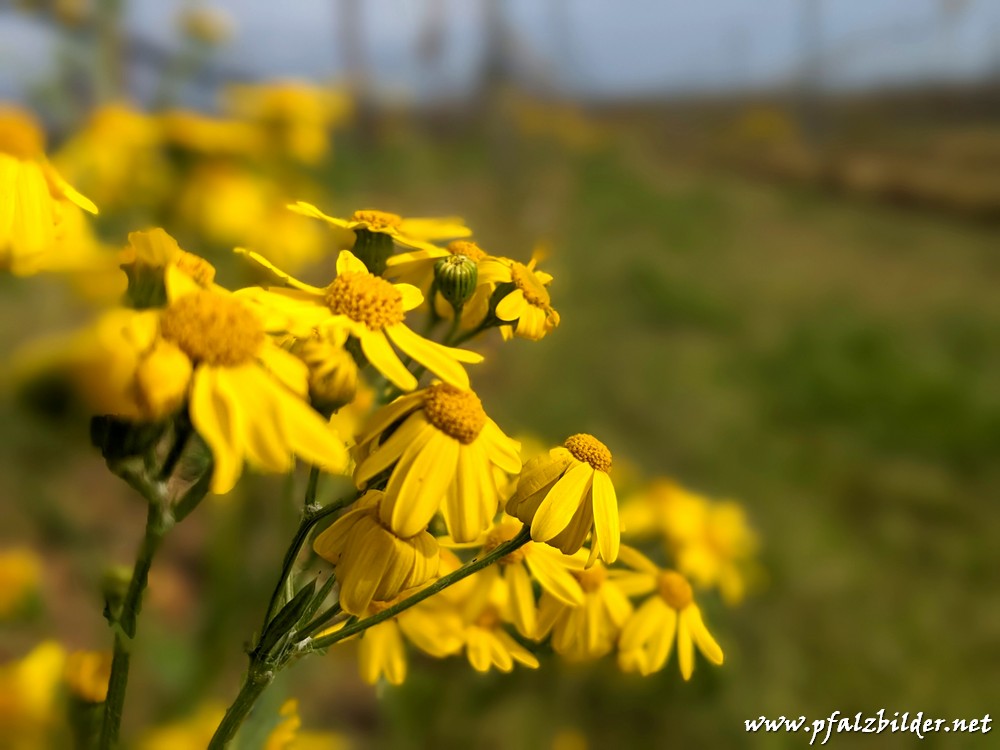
(553, 570)
(441, 452)
(412, 232)
(590, 630)
(712, 542)
(87, 674)
(528, 307)
(366, 307)
(195, 730)
(34, 199)
(29, 697)
(371, 562)
(487, 643)
(435, 630)
(248, 395)
(648, 636)
(565, 493)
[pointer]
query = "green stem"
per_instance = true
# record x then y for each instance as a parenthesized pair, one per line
(254, 685)
(319, 621)
(158, 522)
(311, 516)
(473, 566)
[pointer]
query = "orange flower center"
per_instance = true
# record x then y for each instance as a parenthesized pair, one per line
(590, 450)
(456, 412)
(591, 579)
(377, 221)
(212, 328)
(365, 298)
(534, 291)
(499, 535)
(469, 249)
(675, 590)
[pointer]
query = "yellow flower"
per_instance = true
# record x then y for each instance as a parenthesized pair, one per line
(294, 117)
(375, 231)
(29, 694)
(370, 309)
(589, 630)
(35, 198)
(145, 260)
(20, 576)
(712, 542)
(528, 306)
(87, 674)
(371, 561)
(288, 734)
(224, 203)
(553, 570)
(648, 636)
(434, 629)
(195, 730)
(487, 643)
(210, 136)
(247, 395)
(565, 493)
(117, 158)
(442, 453)
(206, 25)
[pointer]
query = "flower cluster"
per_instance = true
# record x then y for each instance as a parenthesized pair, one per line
(456, 538)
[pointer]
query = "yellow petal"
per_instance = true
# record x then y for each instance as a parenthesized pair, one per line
(217, 419)
(606, 525)
(521, 599)
(512, 306)
(419, 489)
(439, 359)
(685, 646)
(348, 262)
(704, 640)
(562, 502)
(376, 348)
(392, 449)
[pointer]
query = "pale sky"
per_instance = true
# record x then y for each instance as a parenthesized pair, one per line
(604, 48)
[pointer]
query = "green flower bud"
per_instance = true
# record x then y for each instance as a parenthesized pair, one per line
(373, 249)
(456, 277)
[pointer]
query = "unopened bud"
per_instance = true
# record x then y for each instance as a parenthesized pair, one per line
(333, 374)
(456, 277)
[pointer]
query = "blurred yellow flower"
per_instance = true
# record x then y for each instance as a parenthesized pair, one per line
(589, 630)
(442, 453)
(193, 731)
(648, 636)
(712, 542)
(87, 673)
(29, 698)
(288, 734)
(487, 644)
(224, 203)
(206, 25)
(117, 158)
(366, 307)
(20, 578)
(370, 561)
(209, 136)
(528, 306)
(294, 117)
(553, 571)
(566, 492)
(35, 198)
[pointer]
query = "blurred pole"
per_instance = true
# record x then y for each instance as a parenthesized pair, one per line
(354, 56)
(810, 85)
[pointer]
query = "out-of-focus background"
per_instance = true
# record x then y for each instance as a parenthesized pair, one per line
(773, 227)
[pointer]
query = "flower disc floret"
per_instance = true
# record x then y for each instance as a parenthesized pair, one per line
(456, 412)
(212, 328)
(674, 589)
(366, 299)
(469, 249)
(590, 450)
(591, 579)
(530, 285)
(377, 220)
